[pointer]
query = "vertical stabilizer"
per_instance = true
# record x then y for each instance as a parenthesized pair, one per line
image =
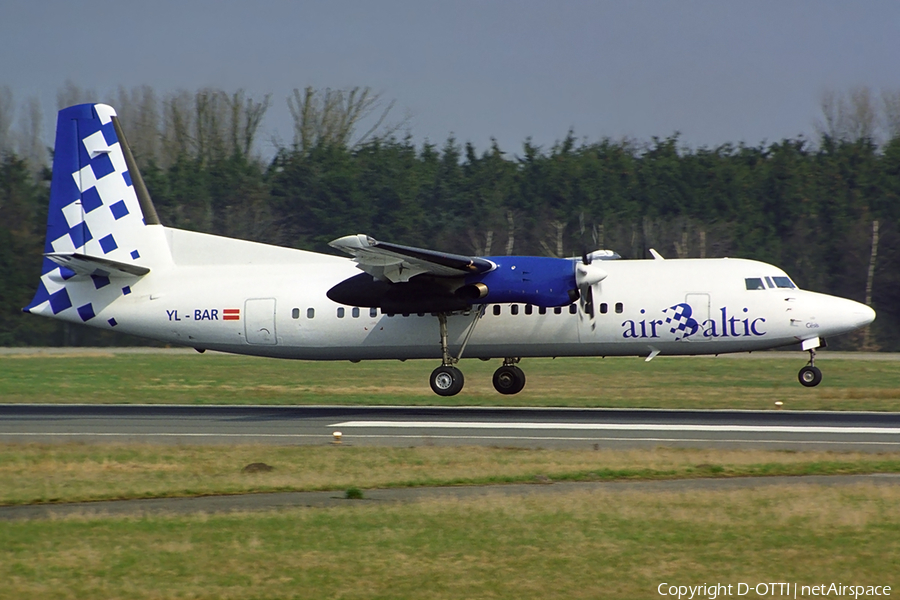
(103, 234)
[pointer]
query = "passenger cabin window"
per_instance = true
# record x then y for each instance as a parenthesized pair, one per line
(295, 314)
(340, 312)
(496, 310)
(754, 283)
(604, 308)
(373, 312)
(310, 313)
(528, 309)
(542, 310)
(573, 309)
(619, 307)
(557, 310)
(784, 282)
(355, 312)
(514, 309)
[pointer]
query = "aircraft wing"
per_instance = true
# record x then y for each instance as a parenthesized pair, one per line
(396, 263)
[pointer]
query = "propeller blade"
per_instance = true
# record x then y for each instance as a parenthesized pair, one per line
(590, 302)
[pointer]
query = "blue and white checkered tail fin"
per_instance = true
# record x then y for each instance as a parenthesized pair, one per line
(103, 234)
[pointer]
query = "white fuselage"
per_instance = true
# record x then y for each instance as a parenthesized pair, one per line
(248, 298)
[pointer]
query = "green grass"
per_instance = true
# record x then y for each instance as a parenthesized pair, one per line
(49, 473)
(609, 544)
(695, 382)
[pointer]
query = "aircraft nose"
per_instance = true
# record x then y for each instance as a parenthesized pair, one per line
(864, 314)
(856, 314)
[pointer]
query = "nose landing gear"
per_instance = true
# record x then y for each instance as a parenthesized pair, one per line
(810, 375)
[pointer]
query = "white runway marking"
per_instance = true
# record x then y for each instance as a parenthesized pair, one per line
(442, 437)
(160, 434)
(616, 427)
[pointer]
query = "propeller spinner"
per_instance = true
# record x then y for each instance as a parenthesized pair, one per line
(586, 276)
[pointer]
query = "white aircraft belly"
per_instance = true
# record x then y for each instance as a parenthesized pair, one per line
(181, 312)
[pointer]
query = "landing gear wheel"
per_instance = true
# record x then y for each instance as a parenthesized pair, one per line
(810, 376)
(446, 381)
(509, 379)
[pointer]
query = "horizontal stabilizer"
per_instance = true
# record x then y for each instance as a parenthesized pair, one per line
(94, 265)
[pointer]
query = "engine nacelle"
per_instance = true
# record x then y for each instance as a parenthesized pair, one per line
(536, 280)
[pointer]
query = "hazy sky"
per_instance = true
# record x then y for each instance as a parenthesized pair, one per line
(717, 71)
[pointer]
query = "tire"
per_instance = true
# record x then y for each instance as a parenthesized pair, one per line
(509, 380)
(810, 376)
(446, 381)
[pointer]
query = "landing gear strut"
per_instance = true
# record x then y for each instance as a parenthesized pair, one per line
(509, 379)
(447, 380)
(810, 375)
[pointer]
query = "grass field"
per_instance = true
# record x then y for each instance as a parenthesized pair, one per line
(571, 545)
(694, 382)
(39, 473)
(577, 545)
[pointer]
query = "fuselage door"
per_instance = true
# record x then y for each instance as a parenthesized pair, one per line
(699, 304)
(259, 321)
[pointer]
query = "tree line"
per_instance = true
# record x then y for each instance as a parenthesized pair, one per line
(826, 209)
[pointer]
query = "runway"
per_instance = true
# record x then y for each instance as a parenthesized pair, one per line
(413, 426)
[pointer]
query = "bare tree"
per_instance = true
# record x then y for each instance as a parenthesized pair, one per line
(681, 248)
(332, 116)
(867, 344)
(863, 117)
(178, 123)
(210, 124)
(31, 133)
(138, 110)
(849, 117)
(7, 113)
(71, 94)
(511, 233)
(559, 228)
(477, 247)
(890, 102)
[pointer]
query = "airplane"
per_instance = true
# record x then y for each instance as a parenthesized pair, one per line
(110, 263)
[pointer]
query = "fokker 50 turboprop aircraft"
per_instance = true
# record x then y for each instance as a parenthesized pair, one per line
(110, 263)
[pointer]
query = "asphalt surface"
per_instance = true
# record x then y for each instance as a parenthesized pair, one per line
(412, 426)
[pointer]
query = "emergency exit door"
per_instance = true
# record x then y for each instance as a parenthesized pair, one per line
(259, 321)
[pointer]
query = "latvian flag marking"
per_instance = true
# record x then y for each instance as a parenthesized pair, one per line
(231, 314)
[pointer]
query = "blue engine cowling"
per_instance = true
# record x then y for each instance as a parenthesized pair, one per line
(536, 280)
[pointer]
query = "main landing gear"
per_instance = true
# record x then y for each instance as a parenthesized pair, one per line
(810, 375)
(447, 380)
(509, 379)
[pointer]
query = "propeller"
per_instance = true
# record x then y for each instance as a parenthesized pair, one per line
(586, 276)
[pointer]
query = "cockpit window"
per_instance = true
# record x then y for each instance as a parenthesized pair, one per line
(754, 283)
(769, 281)
(784, 282)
